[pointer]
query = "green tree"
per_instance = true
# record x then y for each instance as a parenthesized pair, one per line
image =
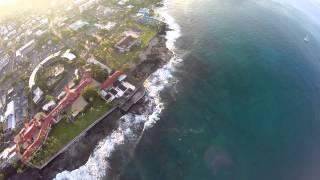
(76, 81)
(48, 98)
(99, 73)
(19, 171)
(89, 93)
(42, 84)
(80, 62)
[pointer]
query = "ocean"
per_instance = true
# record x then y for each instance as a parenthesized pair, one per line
(239, 101)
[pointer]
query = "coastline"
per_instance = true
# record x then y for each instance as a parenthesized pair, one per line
(115, 151)
(156, 56)
(111, 143)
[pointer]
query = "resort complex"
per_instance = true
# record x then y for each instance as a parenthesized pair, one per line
(61, 75)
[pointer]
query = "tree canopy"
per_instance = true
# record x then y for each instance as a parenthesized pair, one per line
(99, 73)
(89, 93)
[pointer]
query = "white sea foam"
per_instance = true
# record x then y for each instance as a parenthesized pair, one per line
(95, 167)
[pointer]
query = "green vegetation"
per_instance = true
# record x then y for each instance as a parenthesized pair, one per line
(46, 73)
(100, 44)
(19, 171)
(66, 33)
(48, 98)
(45, 38)
(90, 94)
(80, 62)
(99, 73)
(76, 81)
(105, 40)
(116, 60)
(2, 145)
(64, 132)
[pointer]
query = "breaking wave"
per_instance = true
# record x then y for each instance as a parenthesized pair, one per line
(132, 126)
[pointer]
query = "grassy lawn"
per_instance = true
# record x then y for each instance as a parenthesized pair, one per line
(63, 132)
(121, 61)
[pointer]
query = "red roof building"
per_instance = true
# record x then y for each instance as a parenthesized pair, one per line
(31, 137)
(109, 82)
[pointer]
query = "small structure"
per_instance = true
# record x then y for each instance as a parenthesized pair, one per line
(25, 49)
(130, 6)
(49, 106)
(32, 79)
(109, 26)
(69, 55)
(4, 60)
(123, 2)
(61, 95)
(104, 11)
(37, 95)
(8, 156)
(78, 25)
(58, 70)
(88, 5)
(107, 84)
(79, 2)
(40, 32)
(10, 116)
(3, 30)
(129, 40)
(143, 16)
(92, 60)
(144, 11)
(115, 87)
(10, 92)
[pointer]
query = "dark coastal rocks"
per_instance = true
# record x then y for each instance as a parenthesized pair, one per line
(154, 56)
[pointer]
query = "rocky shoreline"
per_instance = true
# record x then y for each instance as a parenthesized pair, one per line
(152, 58)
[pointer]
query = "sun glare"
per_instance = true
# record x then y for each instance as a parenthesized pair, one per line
(5, 2)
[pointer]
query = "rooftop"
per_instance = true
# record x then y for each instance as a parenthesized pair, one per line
(126, 41)
(37, 94)
(10, 116)
(49, 105)
(70, 56)
(78, 24)
(19, 52)
(109, 82)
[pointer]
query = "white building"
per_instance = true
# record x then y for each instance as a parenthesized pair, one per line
(69, 55)
(4, 60)
(144, 11)
(109, 26)
(78, 2)
(92, 60)
(40, 32)
(11, 35)
(123, 2)
(10, 116)
(47, 107)
(3, 30)
(104, 11)
(78, 25)
(118, 89)
(8, 156)
(25, 49)
(37, 95)
(88, 5)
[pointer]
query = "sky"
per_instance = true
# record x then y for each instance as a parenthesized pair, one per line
(8, 7)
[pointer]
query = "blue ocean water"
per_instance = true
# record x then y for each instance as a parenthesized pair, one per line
(247, 105)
